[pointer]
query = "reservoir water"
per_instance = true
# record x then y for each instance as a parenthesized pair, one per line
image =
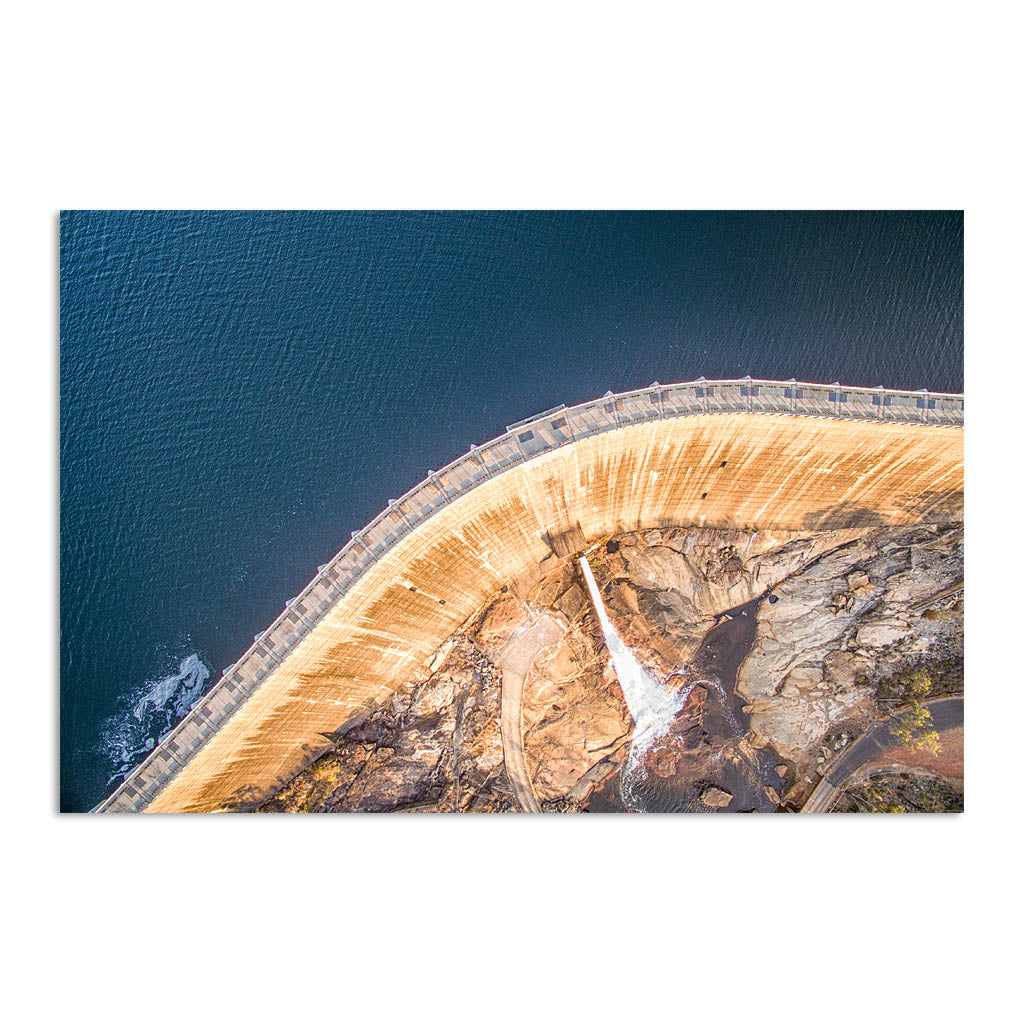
(240, 391)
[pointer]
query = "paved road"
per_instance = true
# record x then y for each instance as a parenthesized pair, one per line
(543, 469)
(947, 713)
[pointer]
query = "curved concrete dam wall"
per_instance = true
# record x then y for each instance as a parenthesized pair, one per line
(738, 454)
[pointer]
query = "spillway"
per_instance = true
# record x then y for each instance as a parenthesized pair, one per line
(651, 703)
(732, 454)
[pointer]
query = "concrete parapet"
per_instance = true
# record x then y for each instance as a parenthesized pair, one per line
(741, 453)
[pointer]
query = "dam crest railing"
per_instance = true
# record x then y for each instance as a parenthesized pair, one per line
(524, 440)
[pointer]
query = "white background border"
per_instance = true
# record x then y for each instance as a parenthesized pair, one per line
(539, 106)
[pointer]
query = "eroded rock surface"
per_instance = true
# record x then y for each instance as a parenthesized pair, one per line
(523, 709)
(434, 746)
(572, 714)
(715, 797)
(841, 623)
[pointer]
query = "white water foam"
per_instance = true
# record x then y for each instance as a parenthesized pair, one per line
(153, 709)
(652, 704)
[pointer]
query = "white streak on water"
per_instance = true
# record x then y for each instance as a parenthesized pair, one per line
(726, 705)
(652, 705)
(153, 709)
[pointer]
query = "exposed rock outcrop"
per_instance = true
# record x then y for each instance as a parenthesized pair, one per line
(843, 621)
(434, 746)
(715, 797)
(531, 669)
(573, 716)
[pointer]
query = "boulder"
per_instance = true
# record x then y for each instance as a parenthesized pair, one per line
(858, 581)
(441, 656)
(881, 634)
(572, 602)
(664, 762)
(715, 797)
(433, 697)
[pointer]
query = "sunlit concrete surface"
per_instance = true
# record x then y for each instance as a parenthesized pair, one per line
(745, 467)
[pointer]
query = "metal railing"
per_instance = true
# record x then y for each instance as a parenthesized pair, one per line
(521, 441)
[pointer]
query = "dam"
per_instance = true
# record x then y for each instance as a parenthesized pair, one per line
(745, 454)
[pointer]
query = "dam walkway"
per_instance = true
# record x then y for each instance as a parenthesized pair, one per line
(522, 441)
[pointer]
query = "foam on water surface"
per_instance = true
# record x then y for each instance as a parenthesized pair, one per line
(652, 705)
(152, 710)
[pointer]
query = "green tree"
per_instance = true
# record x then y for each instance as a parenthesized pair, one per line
(919, 683)
(914, 727)
(878, 802)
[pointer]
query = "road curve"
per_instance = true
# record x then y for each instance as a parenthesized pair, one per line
(946, 712)
(512, 741)
(516, 660)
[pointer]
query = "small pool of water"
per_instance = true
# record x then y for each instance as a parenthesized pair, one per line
(705, 744)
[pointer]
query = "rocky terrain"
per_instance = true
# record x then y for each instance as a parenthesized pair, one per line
(785, 643)
(435, 746)
(900, 794)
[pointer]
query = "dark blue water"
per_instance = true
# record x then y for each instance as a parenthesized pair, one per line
(240, 391)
